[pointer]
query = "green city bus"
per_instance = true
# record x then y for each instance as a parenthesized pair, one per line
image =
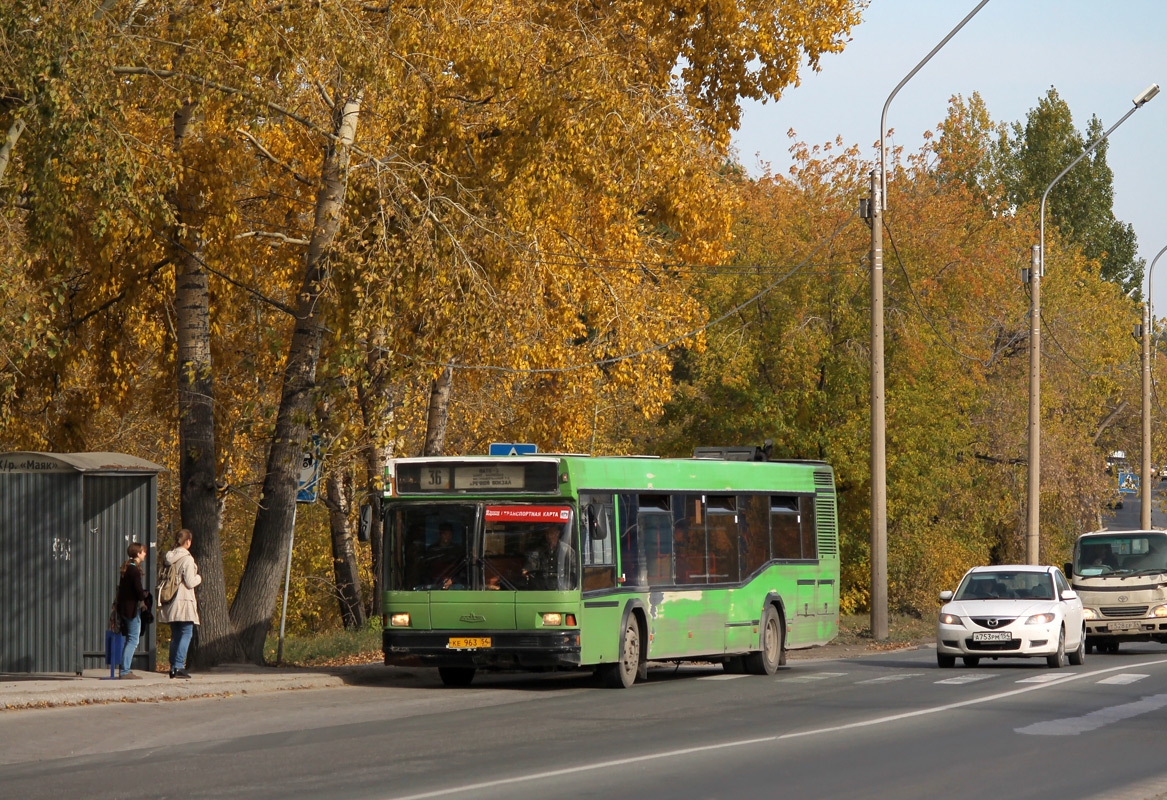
(572, 562)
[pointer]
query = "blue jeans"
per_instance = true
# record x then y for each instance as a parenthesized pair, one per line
(133, 631)
(180, 634)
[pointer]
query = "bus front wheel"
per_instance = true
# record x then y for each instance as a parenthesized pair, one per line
(622, 674)
(456, 676)
(770, 657)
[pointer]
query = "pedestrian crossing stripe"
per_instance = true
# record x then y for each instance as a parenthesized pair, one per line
(1123, 679)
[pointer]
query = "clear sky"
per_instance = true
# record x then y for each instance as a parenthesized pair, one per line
(1099, 55)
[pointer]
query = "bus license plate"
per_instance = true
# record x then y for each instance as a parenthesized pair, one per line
(1122, 626)
(468, 643)
(994, 636)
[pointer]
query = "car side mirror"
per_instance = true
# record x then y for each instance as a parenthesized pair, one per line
(945, 596)
(1069, 595)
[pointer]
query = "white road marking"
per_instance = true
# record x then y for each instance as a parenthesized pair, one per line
(469, 789)
(889, 678)
(1046, 677)
(959, 679)
(726, 677)
(1122, 680)
(815, 676)
(1072, 726)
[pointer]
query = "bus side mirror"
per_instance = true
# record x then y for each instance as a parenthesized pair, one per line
(1068, 568)
(365, 529)
(595, 520)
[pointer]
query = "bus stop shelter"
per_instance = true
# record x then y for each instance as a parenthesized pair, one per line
(65, 522)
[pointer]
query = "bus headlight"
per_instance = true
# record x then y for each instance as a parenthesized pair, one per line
(1159, 611)
(399, 621)
(554, 619)
(1089, 613)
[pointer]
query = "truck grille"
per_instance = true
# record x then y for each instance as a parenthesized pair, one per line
(1124, 611)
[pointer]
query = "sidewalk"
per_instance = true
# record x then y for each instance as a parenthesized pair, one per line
(94, 686)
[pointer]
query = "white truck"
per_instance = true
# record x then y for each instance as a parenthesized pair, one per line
(1121, 577)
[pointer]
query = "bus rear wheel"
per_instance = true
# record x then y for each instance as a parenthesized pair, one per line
(622, 674)
(456, 676)
(770, 657)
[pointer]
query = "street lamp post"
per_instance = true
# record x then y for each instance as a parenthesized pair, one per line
(876, 207)
(1145, 480)
(1032, 539)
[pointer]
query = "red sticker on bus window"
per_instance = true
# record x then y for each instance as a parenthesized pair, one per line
(528, 513)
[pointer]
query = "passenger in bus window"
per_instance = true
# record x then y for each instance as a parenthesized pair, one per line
(552, 566)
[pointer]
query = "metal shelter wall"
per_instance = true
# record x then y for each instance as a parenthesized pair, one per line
(40, 540)
(118, 509)
(65, 521)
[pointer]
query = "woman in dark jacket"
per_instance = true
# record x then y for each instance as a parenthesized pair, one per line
(131, 599)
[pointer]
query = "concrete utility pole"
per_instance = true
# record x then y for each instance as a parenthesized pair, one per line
(1148, 320)
(877, 205)
(879, 621)
(1032, 534)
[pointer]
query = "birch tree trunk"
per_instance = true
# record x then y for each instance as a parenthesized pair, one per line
(338, 497)
(377, 414)
(251, 612)
(198, 500)
(438, 417)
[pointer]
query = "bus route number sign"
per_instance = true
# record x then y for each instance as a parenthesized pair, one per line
(435, 478)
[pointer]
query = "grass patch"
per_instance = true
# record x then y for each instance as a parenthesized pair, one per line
(332, 648)
(901, 629)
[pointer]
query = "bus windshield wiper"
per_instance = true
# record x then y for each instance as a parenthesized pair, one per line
(1141, 572)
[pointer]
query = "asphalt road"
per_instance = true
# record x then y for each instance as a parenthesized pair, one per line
(882, 726)
(892, 725)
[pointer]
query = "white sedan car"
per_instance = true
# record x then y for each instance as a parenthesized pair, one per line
(1014, 611)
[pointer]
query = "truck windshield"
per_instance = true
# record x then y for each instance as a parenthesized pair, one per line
(1120, 554)
(461, 546)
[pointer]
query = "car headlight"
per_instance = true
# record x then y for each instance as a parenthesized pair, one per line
(1089, 613)
(1041, 619)
(1158, 611)
(949, 619)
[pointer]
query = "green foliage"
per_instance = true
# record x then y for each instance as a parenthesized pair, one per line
(1029, 156)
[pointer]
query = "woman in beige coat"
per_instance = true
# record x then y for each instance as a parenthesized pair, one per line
(183, 611)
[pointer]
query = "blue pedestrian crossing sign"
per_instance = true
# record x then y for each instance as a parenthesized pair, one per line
(309, 482)
(509, 449)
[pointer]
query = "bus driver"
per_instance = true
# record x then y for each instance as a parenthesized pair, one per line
(552, 566)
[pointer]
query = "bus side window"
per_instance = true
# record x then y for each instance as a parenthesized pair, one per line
(655, 525)
(632, 566)
(754, 532)
(597, 548)
(689, 543)
(722, 539)
(807, 526)
(785, 536)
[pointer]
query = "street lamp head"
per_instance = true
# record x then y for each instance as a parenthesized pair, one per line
(1146, 95)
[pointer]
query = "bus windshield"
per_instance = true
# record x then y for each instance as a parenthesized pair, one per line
(439, 546)
(1121, 554)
